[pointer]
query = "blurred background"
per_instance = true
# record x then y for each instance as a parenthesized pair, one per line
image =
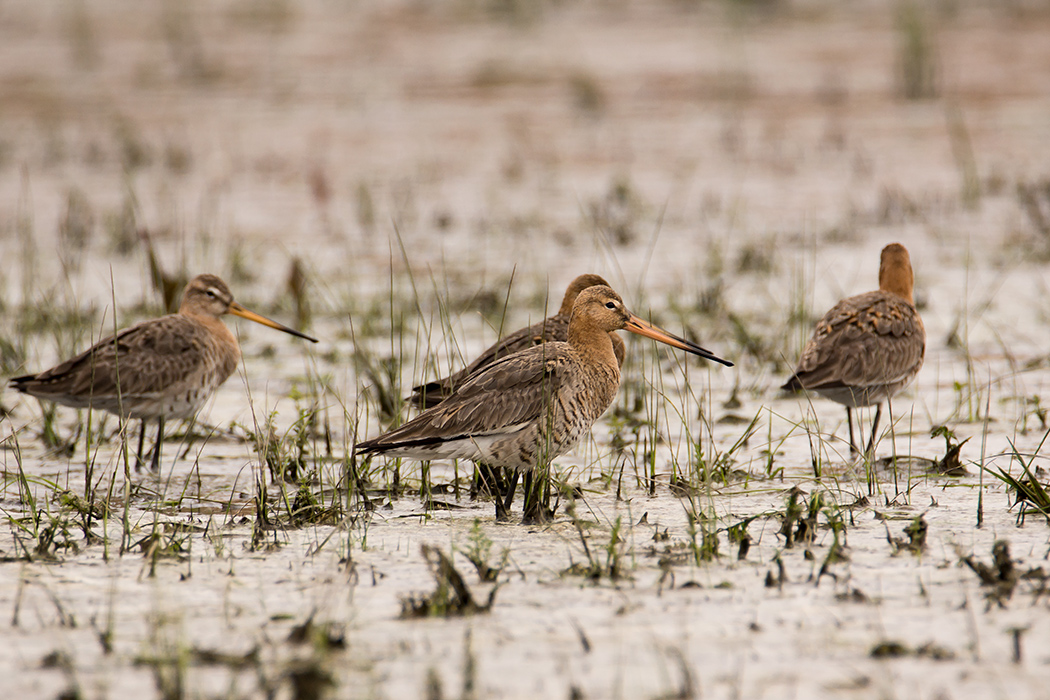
(716, 156)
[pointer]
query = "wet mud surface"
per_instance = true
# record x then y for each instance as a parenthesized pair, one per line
(441, 173)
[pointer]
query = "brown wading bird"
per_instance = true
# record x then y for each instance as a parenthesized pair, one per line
(166, 367)
(868, 347)
(520, 412)
(555, 327)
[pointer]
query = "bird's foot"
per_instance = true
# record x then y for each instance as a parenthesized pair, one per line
(537, 515)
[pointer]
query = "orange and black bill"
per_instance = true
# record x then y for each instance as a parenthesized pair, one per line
(238, 310)
(637, 325)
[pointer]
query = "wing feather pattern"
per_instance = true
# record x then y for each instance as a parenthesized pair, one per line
(870, 339)
(143, 359)
(510, 392)
(554, 328)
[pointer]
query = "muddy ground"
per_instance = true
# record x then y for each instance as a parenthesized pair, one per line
(437, 172)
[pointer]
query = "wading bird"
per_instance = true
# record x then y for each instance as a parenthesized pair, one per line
(162, 368)
(554, 327)
(522, 411)
(867, 347)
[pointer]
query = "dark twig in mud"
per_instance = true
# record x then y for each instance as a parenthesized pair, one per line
(452, 598)
(916, 532)
(688, 689)
(949, 464)
(792, 513)
(892, 649)
(780, 578)
(309, 679)
(738, 534)
(837, 551)
(328, 635)
(1000, 578)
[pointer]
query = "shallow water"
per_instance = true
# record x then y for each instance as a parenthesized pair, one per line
(725, 170)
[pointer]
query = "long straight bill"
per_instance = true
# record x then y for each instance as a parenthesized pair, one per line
(238, 310)
(641, 327)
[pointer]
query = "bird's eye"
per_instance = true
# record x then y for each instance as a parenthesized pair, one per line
(211, 293)
(610, 304)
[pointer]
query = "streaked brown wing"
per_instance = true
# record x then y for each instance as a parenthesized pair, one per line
(144, 359)
(555, 328)
(551, 329)
(874, 338)
(509, 392)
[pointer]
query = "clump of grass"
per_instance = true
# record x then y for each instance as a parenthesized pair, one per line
(365, 208)
(166, 541)
(893, 649)
(916, 542)
(289, 459)
(384, 383)
(135, 153)
(800, 521)
(618, 213)
(479, 553)
(950, 464)
(1000, 578)
(307, 509)
(166, 656)
(75, 228)
(703, 535)
(759, 257)
(267, 447)
(716, 465)
(1033, 409)
(39, 532)
(185, 45)
(738, 534)
(917, 59)
(297, 288)
(168, 285)
(1031, 494)
(837, 550)
(309, 679)
(120, 225)
(322, 637)
(790, 516)
(451, 598)
(1034, 198)
(962, 150)
(607, 562)
(778, 579)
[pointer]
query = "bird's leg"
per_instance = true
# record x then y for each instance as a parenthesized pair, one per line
(155, 465)
(142, 440)
(504, 502)
(486, 481)
(874, 431)
(489, 481)
(528, 497)
(849, 421)
(534, 510)
(191, 432)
